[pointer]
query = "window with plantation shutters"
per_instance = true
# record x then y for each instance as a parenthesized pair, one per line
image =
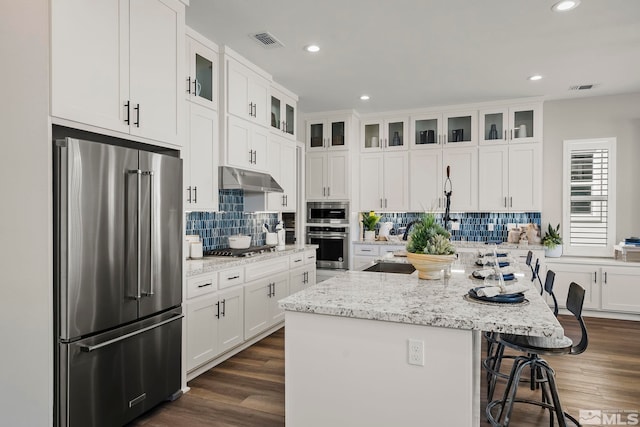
(589, 197)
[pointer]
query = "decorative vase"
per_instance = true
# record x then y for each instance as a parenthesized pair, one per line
(396, 139)
(430, 266)
(522, 131)
(370, 235)
(493, 132)
(553, 253)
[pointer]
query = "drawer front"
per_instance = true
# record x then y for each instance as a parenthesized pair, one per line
(201, 285)
(390, 249)
(367, 250)
(266, 268)
(230, 277)
(310, 257)
(296, 260)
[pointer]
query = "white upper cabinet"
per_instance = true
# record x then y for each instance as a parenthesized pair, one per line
(202, 70)
(385, 134)
(327, 134)
(327, 176)
(449, 129)
(246, 144)
(510, 178)
(248, 93)
(463, 165)
(511, 124)
(118, 65)
(282, 161)
(201, 161)
(384, 181)
(425, 181)
(283, 115)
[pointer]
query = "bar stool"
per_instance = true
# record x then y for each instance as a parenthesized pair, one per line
(534, 347)
(491, 337)
(493, 362)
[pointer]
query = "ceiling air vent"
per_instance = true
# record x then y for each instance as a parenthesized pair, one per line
(582, 87)
(266, 40)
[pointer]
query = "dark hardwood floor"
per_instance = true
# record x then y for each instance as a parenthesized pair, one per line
(248, 389)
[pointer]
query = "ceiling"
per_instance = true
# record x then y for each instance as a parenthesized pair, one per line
(423, 53)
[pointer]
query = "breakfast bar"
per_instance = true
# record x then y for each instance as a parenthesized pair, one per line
(380, 349)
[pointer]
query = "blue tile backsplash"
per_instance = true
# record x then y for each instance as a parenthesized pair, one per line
(473, 226)
(214, 227)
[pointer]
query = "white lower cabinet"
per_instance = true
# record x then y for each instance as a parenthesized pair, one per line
(214, 325)
(608, 288)
(261, 303)
(301, 278)
(364, 254)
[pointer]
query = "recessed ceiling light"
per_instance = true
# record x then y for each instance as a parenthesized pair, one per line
(364, 97)
(535, 77)
(565, 5)
(312, 48)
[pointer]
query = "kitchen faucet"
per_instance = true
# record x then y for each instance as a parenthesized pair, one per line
(406, 231)
(447, 218)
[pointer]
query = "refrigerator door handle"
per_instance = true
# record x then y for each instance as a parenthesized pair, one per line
(151, 234)
(90, 348)
(138, 173)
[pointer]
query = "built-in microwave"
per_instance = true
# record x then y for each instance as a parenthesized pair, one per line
(328, 212)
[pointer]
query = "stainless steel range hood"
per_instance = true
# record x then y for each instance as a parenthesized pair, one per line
(242, 179)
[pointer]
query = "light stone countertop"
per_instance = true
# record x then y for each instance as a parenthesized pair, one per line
(209, 264)
(459, 244)
(406, 299)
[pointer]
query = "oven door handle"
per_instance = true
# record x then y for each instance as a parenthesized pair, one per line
(328, 235)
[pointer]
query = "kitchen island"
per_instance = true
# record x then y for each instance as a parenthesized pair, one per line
(348, 339)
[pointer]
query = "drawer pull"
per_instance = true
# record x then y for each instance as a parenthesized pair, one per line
(365, 250)
(205, 285)
(297, 260)
(233, 277)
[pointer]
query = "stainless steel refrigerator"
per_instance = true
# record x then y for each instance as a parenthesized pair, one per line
(117, 283)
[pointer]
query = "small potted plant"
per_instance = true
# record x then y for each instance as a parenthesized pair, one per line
(369, 221)
(552, 242)
(429, 247)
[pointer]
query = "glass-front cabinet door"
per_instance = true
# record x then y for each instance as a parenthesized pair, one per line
(396, 134)
(525, 123)
(202, 80)
(388, 135)
(283, 113)
(494, 126)
(373, 139)
(460, 128)
(326, 134)
(426, 131)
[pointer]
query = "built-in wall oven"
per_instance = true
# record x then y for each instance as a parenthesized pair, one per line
(328, 227)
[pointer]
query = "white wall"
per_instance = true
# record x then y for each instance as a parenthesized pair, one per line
(594, 117)
(26, 367)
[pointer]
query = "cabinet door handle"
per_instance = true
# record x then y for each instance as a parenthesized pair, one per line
(189, 197)
(286, 200)
(511, 136)
(255, 110)
(195, 194)
(224, 307)
(595, 277)
(137, 108)
(605, 277)
(255, 157)
(510, 201)
(127, 105)
(328, 191)
(505, 201)
(505, 134)
(250, 108)
(385, 202)
(189, 84)
(381, 202)
(195, 86)
(218, 309)
(205, 285)
(250, 156)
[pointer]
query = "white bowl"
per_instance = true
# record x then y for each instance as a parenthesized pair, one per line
(239, 242)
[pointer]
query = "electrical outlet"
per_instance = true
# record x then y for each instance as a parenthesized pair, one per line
(416, 352)
(511, 226)
(455, 225)
(489, 227)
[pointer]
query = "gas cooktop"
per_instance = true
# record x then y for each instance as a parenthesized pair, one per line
(250, 251)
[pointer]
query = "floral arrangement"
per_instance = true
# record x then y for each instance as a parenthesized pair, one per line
(369, 220)
(427, 236)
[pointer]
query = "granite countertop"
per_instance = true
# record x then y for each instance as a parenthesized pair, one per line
(407, 299)
(193, 267)
(459, 244)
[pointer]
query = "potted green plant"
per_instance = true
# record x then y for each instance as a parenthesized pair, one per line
(369, 221)
(552, 242)
(429, 247)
